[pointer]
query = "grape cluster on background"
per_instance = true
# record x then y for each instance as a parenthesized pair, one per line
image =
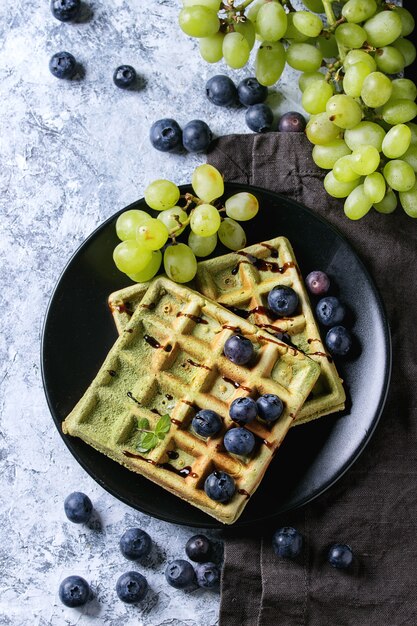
(351, 56)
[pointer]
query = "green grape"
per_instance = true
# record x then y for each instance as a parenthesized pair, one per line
(253, 10)
(153, 234)
(399, 111)
(359, 56)
(314, 5)
(365, 134)
(131, 258)
(207, 182)
(408, 201)
(396, 141)
(399, 175)
(388, 203)
(354, 78)
(357, 204)
(304, 57)
(198, 21)
(343, 170)
(320, 130)
(214, 5)
(271, 21)
(327, 46)
(180, 263)
(247, 29)
(407, 21)
(270, 62)
(413, 128)
(356, 11)
(410, 157)
(128, 222)
(315, 97)
(308, 78)
(383, 28)
(236, 50)
(211, 48)
(403, 88)
(375, 187)
(327, 155)
(292, 32)
(205, 220)
(376, 90)
(150, 270)
(162, 194)
(365, 160)
(407, 49)
(231, 234)
(389, 60)
(350, 35)
(202, 246)
(175, 220)
(337, 189)
(343, 111)
(308, 24)
(242, 206)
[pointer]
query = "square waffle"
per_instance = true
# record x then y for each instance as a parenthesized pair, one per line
(169, 360)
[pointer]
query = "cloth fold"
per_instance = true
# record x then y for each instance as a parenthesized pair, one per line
(373, 507)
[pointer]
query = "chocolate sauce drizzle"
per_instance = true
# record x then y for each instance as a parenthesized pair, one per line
(191, 362)
(149, 306)
(196, 318)
(183, 472)
(123, 307)
(155, 344)
(112, 373)
(243, 492)
(328, 357)
(236, 385)
(273, 251)
(262, 265)
(132, 397)
(173, 454)
(168, 396)
(261, 310)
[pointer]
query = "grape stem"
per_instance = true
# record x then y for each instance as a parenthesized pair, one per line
(331, 20)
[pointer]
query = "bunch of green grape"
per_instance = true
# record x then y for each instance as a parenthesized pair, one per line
(139, 255)
(361, 113)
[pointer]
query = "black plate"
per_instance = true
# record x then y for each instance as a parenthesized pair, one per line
(79, 331)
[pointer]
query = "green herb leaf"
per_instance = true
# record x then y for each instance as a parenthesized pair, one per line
(143, 423)
(162, 426)
(147, 442)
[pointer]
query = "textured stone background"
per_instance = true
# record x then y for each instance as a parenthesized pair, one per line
(72, 154)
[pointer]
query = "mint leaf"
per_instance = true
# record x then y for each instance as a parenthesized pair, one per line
(162, 426)
(143, 423)
(147, 442)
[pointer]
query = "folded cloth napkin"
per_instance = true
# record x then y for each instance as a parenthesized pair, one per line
(373, 507)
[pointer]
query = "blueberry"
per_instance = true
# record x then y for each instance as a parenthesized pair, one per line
(74, 591)
(330, 311)
(243, 410)
(65, 10)
(180, 574)
(238, 349)
(283, 301)
(291, 122)
(338, 340)
(219, 486)
(287, 542)
(124, 76)
(135, 543)
(131, 587)
(239, 441)
(166, 135)
(318, 283)
(221, 90)
(78, 507)
(206, 423)
(340, 556)
(270, 407)
(62, 65)
(208, 575)
(196, 136)
(250, 91)
(198, 548)
(259, 118)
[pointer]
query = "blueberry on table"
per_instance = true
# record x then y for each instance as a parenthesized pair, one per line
(135, 543)
(206, 423)
(239, 441)
(238, 349)
(291, 122)
(340, 556)
(62, 65)
(270, 407)
(196, 136)
(283, 301)
(131, 587)
(219, 486)
(221, 91)
(243, 410)
(74, 591)
(250, 91)
(259, 118)
(208, 575)
(330, 311)
(338, 341)
(166, 135)
(318, 283)
(198, 548)
(124, 76)
(287, 542)
(65, 10)
(78, 507)
(180, 574)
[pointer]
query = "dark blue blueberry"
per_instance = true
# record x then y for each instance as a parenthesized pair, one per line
(208, 575)
(131, 587)
(65, 10)
(124, 76)
(318, 283)
(291, 122)
(206, 423)
(270, 407)
(198, 548)
(196, 136)
(250, 91)
(283, 301)
(166, 135)
(238, 349)
(239, 441)
(287, 542)
(74, 591)
(330, 311)
(243, 410)
(340, 556)
(62, 65)
(135, 543)
(219, 486)
(180, 574)
(78, 507)
(221, 90)
(259, 118)
(338, 341)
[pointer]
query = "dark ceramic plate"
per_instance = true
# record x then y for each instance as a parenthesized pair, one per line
(79, 331)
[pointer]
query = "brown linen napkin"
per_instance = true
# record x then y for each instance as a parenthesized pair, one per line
(373, 507)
